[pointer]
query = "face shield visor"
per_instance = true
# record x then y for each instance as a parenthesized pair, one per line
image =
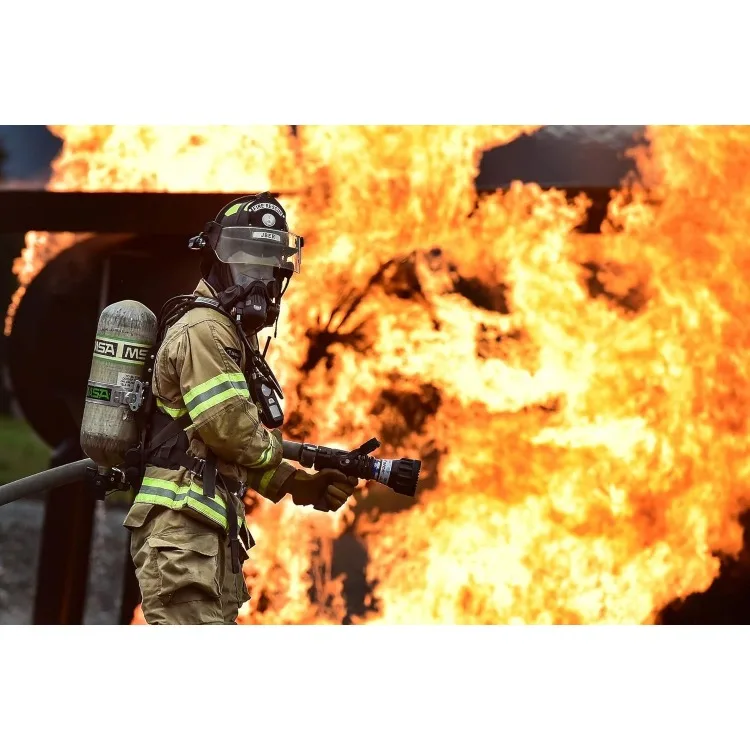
(249, 251)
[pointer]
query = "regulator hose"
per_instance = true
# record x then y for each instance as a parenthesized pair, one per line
(45, 480)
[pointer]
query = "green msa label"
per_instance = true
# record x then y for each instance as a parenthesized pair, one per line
(99, 393)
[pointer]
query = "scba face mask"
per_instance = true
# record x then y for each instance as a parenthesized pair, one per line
(261, 268)
(257, 257)
(255, 298)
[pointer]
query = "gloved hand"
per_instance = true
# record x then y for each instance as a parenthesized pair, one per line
(325, 490)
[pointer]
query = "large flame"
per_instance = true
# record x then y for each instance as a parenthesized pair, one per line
(580, 403)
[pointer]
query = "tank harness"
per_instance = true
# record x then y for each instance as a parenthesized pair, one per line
(164, 442)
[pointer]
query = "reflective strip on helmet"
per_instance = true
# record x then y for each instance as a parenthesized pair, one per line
(215, 391)
(174, 413)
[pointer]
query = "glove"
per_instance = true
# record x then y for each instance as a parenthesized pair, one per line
(326, 490)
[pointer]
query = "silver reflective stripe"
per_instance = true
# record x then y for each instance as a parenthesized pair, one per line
(163, 492)
(215, 391)
(206, 395)
(207, 501)
(181, 492)
(166, 492)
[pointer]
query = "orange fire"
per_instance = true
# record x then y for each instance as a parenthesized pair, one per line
(580, 402)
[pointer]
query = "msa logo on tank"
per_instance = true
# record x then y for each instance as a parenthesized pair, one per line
(122, 351)
(99, 393)
(134, 353)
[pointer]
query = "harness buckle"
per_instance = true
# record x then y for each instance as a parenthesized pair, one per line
(199, 465)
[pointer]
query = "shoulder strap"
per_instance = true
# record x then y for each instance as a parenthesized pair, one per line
(175, 309)
(210, 303)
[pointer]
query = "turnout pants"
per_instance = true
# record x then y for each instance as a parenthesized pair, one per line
(184, 570)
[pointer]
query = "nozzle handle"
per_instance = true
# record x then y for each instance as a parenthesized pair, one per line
(302, 453)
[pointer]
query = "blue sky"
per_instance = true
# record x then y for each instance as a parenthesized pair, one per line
(30, 149)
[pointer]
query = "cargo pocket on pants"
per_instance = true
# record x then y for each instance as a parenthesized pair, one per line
(188, 567)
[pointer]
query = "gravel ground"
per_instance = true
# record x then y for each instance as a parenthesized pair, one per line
(20, 534)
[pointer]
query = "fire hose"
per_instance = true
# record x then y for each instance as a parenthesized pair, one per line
(401, 475)
(45, 480)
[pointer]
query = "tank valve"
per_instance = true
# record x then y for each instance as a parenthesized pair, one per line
(106, 480)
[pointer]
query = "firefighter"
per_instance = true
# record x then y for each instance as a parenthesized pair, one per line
(212, 392)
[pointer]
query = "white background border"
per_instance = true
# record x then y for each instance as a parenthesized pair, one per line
(356, 62)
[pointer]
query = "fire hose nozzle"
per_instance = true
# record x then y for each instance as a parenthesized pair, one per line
(401, 474)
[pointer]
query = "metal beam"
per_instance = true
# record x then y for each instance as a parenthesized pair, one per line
(138, 213)
(160, 213)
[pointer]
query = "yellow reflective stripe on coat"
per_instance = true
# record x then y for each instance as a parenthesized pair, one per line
(176, 496)
(265, 480)
(215, 391)
(174, 413)
(267, 454)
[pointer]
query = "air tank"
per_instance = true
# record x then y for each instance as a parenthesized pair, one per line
(124, 338)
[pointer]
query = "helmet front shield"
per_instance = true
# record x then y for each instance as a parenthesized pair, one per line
(250, 246)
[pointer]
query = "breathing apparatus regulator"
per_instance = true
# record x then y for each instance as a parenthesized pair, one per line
(248, 257)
